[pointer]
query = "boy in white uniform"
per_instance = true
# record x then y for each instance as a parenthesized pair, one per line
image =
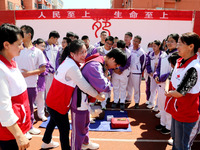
(29, 60)
(103, 37)
(137, 66)
(53, 55)
(120, 78)
(127, 39)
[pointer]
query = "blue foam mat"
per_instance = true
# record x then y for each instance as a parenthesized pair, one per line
(102, 125)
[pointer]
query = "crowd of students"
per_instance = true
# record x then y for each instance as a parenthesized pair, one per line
(76, 74)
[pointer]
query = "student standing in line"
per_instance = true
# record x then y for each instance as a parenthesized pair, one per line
(58, 100)
(89, 47)
(128, 40)
(146, 75)
(40, 101)
(183, 94)
(53, 55)
(120, 78)
(138, 58)
(103, 37)
(65, 42)
(31, 62)
(161, 69)
(151, 65)
(15, 118)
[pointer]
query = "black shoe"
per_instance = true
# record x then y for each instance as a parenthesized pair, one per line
(127, 101)
(165, 131)
(114, 105)
(108, 100)
(159, 127)
(136, 106)
(122, 106)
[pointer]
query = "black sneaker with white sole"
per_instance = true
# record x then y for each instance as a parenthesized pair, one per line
(159, 127)
(165, 131)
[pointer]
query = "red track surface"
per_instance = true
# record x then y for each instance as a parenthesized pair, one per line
(143, 135)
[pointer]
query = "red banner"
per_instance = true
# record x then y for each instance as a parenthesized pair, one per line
(7, 17)
(104, 14)
(197, 22)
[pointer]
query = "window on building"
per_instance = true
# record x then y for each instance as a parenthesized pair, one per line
(17, 7)
(10, 5)
(39, 6)
(35, 4)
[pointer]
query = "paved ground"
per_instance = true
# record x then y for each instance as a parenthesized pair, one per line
(143, 135)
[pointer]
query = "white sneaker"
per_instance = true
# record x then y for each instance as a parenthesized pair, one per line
(155, 109)
(170, 141)
(147, 103)
(28, 135)
(91, 145)
(158, 115)
(52, 144)
(43, 118)
(150, 106)
(34, 131)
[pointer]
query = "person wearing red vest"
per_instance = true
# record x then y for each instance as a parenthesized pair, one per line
(94, 71)
(58, 100)
(15, 119)
(182, 100)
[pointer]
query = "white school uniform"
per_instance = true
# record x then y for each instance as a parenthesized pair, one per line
(153, 85)
(30, 59)
(136, 69)
(120, 82)
(165, 68)
(51, 52)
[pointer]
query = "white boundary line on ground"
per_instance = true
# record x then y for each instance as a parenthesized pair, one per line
(119, 140)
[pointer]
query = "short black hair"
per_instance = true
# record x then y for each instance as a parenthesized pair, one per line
(76, 36)
(54, 34)
(174, 36)
(28, 29)
(119, 56)
(109, 38)
(9, 33)
(68, 40)
(121, 44)
(85, 37)
(138, 37)
(116, 38)
(191, 38)
(70, 34)
(150, 43)
(129, 34)
(39, 41)
(158, 43)
(172, 59)
(103, 32)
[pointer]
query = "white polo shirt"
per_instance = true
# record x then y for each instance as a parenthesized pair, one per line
(30, 59)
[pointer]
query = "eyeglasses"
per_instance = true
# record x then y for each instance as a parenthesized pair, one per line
(109, 43)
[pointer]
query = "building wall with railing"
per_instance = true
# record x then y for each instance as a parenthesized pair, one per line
(157, 4)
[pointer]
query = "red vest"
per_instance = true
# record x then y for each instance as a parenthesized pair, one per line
(19, 98)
